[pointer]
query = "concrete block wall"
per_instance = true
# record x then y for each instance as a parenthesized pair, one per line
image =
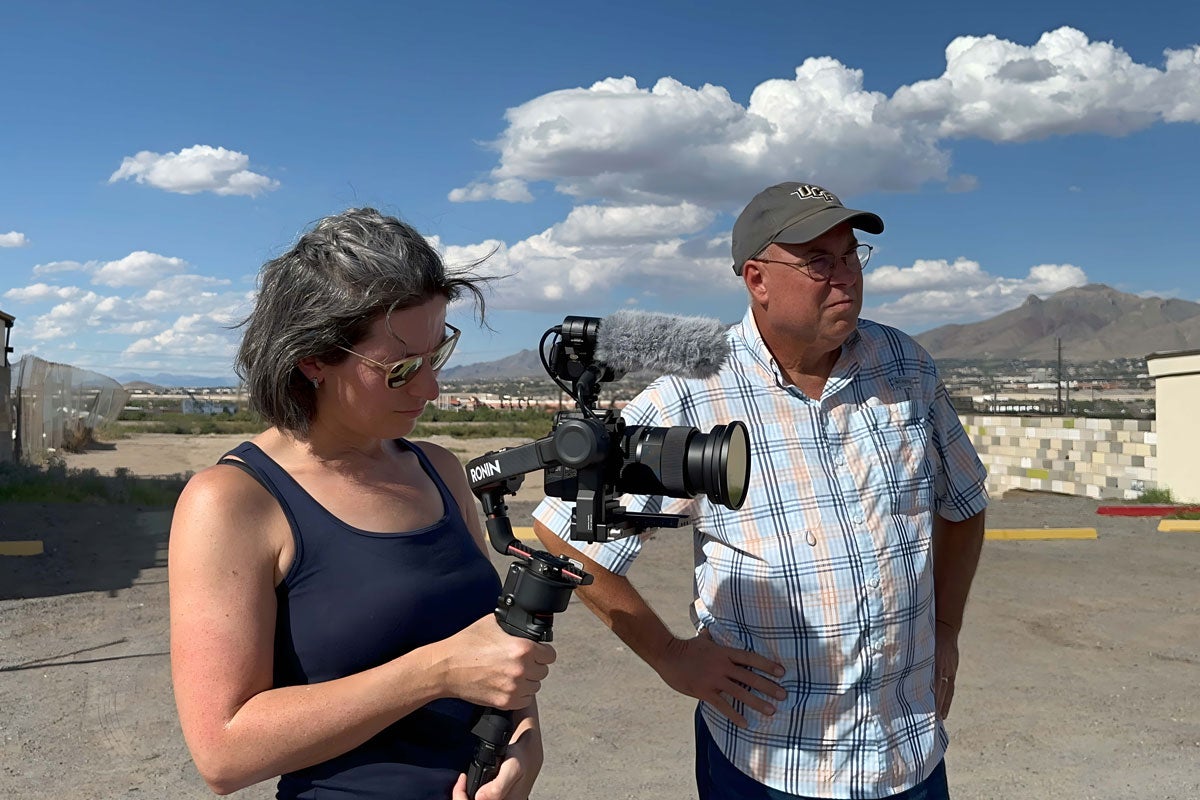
(1106, 459)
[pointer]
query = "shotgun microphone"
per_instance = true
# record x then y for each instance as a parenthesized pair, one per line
(645, 341)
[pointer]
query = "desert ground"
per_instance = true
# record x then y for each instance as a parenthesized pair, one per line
(1079, 676)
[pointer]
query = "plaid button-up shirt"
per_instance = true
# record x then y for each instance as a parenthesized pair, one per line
(827, 568)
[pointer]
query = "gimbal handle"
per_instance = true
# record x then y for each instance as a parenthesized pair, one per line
(538, 585)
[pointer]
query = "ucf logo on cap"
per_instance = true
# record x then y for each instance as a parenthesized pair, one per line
(809, 192)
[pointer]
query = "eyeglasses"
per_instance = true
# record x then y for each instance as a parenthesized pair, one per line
(403, 370)
(820, 267)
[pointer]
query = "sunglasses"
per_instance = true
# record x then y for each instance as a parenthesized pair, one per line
(405, 369)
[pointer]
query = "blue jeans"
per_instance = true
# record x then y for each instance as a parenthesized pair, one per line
(718, 779)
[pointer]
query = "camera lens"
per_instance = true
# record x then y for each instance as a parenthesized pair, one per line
(682, 462)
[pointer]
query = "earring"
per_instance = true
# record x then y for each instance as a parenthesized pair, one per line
(316, 382)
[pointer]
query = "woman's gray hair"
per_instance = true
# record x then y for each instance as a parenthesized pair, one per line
(326, 292)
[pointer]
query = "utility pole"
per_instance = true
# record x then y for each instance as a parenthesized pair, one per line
(1068, 393)
(1060, 387)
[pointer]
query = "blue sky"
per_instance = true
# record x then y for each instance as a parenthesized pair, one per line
(152, 155)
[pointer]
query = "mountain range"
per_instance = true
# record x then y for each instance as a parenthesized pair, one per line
(158, 380)
(1094, 322)
(522, 364)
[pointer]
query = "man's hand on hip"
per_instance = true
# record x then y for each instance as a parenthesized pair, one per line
(718, 675)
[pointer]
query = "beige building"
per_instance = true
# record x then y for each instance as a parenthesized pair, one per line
(1177, 392)
(7, 415)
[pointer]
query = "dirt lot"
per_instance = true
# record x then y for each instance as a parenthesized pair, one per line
(1081, 660)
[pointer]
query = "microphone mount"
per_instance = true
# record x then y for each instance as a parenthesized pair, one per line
(573, 359)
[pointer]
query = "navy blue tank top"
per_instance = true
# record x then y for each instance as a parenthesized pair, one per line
(353, 600)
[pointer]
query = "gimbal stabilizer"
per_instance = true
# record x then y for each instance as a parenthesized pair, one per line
(592, 459)
(538, 584)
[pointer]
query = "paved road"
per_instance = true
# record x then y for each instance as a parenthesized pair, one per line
(1080, 666)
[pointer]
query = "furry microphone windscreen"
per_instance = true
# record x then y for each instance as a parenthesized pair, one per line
(646, 341)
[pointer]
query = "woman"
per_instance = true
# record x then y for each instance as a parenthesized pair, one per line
(331, 595)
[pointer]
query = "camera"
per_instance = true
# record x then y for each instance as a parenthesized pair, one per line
(591, 457)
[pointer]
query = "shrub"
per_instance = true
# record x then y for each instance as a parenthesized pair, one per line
(54, 483)
(195, 424)
(1161, 495)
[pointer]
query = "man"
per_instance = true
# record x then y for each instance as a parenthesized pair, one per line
(829, 605)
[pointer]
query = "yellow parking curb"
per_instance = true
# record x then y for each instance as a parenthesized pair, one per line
(25, 548)
(1180, 525)
(1000, 533)
(1041, 533)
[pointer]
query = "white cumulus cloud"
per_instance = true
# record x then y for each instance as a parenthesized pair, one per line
(195, 169)
(174, 316)
(195, 292)
(587, 225)
(999, 90)
(135, 328)
(13, 239)
(671, 143)
(78, 311)
(511, 190)
(594, 258)
(939, 292)
(652, 170)
(191, 335)
(56, 267)
(925, 274)
(139, 268)
(39, 292)
(625, 144)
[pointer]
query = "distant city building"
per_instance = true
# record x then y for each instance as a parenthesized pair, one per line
(209, 406)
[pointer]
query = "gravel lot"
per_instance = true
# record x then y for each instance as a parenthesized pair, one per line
(1080, 659)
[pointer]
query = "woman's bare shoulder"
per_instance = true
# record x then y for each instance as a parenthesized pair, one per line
(223, 499)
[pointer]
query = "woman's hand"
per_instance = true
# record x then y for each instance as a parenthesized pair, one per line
(517, 773)
(489, 667)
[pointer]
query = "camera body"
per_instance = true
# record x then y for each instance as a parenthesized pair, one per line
(600, 458)
(591, 457)
(594, 455)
